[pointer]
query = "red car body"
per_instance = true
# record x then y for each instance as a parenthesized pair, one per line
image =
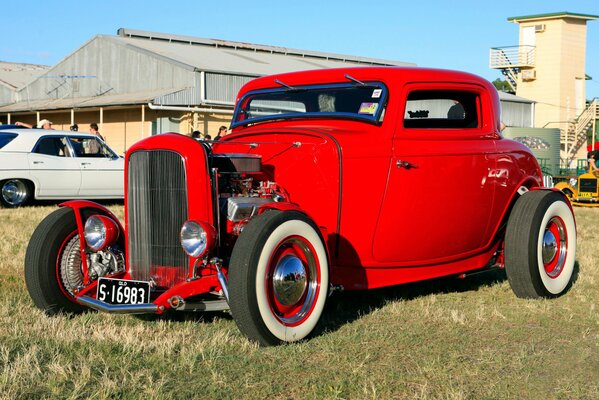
(394, 198)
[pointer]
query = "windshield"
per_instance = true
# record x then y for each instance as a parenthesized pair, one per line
(357, 101)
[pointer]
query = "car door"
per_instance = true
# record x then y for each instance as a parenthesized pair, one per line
(439, 195)
(101, 169)
(58, 174)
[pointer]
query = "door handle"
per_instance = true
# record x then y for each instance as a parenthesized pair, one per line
(85, 163)
(38, 162)
(405, 164)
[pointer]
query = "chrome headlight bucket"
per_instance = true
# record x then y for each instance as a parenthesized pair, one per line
(100, 232)
(197, 237)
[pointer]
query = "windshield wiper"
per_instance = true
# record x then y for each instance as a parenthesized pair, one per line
(285, 85)
(360, 83)
(351, 78)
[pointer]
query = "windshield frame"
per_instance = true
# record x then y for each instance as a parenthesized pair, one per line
(369, 118)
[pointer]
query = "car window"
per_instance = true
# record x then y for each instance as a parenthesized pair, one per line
(6, 138)
(364, 101)
(52, 146)
(445, 109)
(90, 148)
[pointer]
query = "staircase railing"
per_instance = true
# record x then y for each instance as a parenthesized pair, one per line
(575, 136)
(512, 57)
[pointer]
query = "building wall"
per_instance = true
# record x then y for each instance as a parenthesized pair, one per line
(6, 95)
(103, 66)
(559, 60)
(121, 127)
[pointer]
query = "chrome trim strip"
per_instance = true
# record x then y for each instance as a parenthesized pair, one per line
(117, 308)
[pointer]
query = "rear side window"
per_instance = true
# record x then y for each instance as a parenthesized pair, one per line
(52, 146)
(442, 109)
(6, 138)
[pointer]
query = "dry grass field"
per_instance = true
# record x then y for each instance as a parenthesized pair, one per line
(444, 339)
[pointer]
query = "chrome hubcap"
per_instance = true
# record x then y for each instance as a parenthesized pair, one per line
(554, 248)
(14, 192)
(549, 247)
(289, 280)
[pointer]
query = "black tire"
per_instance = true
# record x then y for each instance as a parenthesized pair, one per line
(53, 263)
(540, 245)
(568, 193)
(15, 193)
(268, 308)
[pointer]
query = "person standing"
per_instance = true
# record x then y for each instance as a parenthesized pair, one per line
(93, 128)
(42, 124)
(222, 131)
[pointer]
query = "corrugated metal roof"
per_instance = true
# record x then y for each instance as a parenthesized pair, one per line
(82, 102)
(238, 61)
(504, 96)
(242, 47)
(239, 58)
(16, 75)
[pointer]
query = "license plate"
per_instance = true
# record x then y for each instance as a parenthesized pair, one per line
(120, 291)
(585, 194)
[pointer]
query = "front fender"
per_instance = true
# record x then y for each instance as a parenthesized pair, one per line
(79, 205)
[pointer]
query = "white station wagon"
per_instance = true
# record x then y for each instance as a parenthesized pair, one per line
(54, 165)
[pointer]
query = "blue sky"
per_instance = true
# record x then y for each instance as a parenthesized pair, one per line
(434, 33)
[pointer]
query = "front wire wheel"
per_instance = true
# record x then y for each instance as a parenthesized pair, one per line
(53, 263)
(278, 278)
(540, 245)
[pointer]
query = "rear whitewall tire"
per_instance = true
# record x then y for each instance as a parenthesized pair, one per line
(540, 245)
(557, 285)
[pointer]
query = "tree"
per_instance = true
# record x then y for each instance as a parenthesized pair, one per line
(502, 85)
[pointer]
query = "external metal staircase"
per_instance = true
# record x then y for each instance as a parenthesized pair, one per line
(512, 60)
(575, 136)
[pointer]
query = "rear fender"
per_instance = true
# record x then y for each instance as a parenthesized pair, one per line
(557, 190)
(515, 196)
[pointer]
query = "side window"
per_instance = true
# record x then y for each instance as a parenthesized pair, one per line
(442, 109)
(6, 138)
(52, 146)
(90, 147)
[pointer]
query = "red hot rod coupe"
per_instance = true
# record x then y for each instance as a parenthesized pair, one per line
(344, 179)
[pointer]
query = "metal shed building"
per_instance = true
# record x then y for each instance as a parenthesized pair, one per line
(139, 83)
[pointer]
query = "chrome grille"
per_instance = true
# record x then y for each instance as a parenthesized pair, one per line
(157, 208)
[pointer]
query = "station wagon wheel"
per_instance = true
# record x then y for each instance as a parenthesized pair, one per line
(278, 278)
(540, 245)
(53, 263)
(15, 193)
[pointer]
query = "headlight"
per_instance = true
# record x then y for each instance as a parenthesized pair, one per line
(196, 238)
(100, 232)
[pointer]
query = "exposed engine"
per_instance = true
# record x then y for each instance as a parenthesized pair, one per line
(242, 189)
(105, 262)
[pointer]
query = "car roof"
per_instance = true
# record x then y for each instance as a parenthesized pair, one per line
(27, 138)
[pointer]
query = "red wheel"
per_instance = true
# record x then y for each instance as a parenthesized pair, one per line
(278, 278)
(53, 263)
(540, 245)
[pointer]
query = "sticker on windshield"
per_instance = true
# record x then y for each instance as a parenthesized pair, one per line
(376, 93)
(368, 108)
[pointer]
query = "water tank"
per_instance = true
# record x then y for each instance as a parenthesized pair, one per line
(544, 143)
